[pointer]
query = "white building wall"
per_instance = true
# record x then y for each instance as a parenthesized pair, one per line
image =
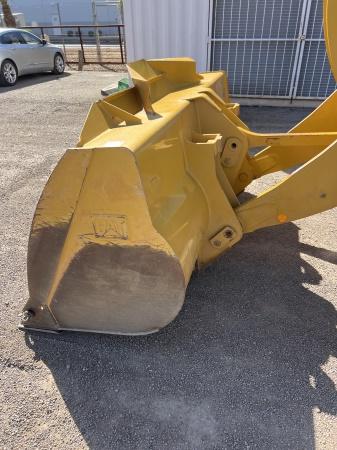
(72, 11)
(167, 28)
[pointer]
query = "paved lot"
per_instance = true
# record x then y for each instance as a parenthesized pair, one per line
(250, 363)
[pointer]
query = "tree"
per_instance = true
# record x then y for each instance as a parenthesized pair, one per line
(8, 16)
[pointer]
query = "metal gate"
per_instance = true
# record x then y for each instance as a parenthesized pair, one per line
(271, 48)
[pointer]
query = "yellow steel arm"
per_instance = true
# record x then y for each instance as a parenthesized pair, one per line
(330, 32)
(280, 156)
(285, 140)
(309, 190)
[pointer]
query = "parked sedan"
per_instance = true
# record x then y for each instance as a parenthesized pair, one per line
(22, 52)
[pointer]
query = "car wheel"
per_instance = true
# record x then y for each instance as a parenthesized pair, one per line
(58, 64)
(8, 73)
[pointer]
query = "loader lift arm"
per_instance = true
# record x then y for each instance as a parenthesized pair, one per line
(301, 194)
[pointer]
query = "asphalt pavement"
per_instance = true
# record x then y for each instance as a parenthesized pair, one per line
(249, 363)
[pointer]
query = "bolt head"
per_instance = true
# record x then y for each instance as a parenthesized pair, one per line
(228, 234)
(243, 177)
(28, 314)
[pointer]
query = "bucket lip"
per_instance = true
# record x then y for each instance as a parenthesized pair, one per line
(59, 331)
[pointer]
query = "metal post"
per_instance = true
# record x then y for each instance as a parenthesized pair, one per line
(60, 23)
(42, 33)
(300, 49)
(94, 16)
(58, 12)
(120, 43)
(80, 60)
(210, 35)
(81, 42)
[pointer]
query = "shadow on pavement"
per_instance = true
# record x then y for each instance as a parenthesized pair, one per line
(30, 80)
(232, 371)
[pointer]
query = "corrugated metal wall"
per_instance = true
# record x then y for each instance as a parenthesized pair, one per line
(271, 48)
(167, 28)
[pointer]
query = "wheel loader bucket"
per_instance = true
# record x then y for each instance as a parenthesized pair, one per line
(151, 191)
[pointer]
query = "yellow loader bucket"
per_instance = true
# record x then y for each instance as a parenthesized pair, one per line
(151, 191)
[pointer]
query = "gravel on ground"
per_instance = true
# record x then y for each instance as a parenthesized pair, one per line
(250, 362)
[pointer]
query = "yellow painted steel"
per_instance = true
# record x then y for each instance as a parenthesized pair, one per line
(330, 32)
(151, 190)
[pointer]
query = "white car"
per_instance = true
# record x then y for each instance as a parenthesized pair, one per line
(22, 52)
